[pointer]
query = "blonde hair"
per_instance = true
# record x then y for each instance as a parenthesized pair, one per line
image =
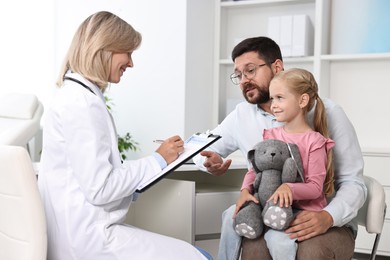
(93, 44)
(301, 82)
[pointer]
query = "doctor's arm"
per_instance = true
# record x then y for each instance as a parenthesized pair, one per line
(92, 154)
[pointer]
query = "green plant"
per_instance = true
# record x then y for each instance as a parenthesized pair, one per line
(126, 142)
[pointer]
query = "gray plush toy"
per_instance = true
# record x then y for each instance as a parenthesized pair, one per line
(275, 162)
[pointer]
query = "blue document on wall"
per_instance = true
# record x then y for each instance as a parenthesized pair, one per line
(192, 146)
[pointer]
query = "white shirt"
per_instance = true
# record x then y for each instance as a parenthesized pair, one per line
(243, 128)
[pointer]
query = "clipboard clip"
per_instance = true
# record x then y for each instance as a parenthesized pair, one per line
(206, 134)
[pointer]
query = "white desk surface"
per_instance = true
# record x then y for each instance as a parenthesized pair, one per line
(238, 162)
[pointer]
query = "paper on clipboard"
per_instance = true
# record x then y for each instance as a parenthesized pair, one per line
(192, 146)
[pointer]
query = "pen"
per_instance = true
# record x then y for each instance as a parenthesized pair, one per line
(158, 141)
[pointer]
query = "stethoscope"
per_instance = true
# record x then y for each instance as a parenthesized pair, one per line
(79, 82)
(85, 86)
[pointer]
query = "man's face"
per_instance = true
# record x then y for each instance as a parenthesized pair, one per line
(255, 77)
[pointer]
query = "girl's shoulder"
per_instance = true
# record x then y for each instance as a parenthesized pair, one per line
(318, 141)
(273, 133)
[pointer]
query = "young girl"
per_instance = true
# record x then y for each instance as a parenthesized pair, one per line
(294, 93)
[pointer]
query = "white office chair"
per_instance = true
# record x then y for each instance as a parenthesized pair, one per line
(20, 116)
(22, 220)
(372, 214)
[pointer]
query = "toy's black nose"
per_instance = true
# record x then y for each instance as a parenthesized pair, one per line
(273, 154)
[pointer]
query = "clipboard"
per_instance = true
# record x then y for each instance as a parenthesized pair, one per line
(192, 146)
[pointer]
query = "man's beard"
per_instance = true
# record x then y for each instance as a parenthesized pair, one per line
(261, 97)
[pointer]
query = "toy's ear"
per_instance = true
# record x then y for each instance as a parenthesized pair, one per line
(251, 158)
(296, 155)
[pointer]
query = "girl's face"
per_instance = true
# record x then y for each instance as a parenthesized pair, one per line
(119, 63)
(285, 105)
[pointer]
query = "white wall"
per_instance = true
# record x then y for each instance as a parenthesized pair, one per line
(27, 47)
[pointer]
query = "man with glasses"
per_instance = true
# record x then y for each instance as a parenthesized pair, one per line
(327, 234)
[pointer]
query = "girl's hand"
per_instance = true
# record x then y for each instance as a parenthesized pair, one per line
(245, 196)
(283, 194)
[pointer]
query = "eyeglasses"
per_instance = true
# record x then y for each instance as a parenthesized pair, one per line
(249, 72)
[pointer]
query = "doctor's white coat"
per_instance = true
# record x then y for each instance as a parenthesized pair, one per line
(86, 189)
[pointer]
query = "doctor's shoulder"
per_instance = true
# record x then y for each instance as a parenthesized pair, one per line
(72, 95)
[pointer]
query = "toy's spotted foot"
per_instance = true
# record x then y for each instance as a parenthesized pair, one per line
(245, 231)
(275, 218)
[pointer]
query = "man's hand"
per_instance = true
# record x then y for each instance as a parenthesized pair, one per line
(214, 163)
(308, 224)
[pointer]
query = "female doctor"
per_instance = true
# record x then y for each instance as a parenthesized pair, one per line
(85, 187)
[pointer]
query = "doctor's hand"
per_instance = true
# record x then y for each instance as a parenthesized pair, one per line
(171, 148)
(214, 163)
